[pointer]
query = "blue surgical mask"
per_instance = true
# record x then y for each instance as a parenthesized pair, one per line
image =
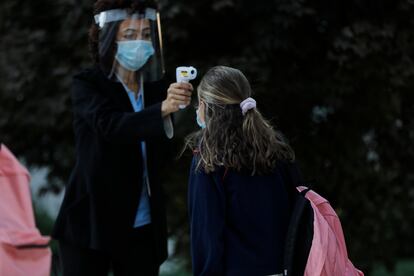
(133, 54)
(200, 124)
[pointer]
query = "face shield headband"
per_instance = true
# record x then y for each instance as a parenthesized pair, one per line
(132, 41)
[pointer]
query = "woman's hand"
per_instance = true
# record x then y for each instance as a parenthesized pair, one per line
(177, 94)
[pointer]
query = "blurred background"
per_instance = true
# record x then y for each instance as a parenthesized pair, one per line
(336, 77)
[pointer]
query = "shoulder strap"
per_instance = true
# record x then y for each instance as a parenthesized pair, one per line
(291, 177)
(294, 174)
(300, 230)
(226, 170)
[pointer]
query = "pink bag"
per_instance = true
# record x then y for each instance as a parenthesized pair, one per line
(328, 254)
(23, 250)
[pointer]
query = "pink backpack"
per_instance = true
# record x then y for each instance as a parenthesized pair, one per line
(23, 250)
(315, 243)
(328, 255)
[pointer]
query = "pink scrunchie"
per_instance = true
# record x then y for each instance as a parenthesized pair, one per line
(247, 104)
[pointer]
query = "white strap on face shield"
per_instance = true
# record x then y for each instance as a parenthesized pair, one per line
(151, 14)
(122, 14)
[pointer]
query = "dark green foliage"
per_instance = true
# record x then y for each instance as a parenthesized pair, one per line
(335, 76)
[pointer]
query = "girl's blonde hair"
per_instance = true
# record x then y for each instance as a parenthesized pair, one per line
(231, 139)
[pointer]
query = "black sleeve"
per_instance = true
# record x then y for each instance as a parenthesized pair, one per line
(108, 119)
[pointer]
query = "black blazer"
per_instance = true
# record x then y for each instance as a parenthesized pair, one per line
(103, 192)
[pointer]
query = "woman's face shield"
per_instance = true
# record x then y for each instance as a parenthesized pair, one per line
(130, 44)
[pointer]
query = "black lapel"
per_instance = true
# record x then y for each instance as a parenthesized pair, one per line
(121, 96)
(116, 91)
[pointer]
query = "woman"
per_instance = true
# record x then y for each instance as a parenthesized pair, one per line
(113, 213)
(238, 204)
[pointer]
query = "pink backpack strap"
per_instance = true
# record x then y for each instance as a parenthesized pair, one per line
(224, 174)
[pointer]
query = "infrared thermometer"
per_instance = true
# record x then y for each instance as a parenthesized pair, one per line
(185, 74)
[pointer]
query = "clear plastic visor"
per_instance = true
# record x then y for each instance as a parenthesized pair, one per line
(130, 44)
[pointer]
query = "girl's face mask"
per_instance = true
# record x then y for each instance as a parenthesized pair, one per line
(201, 123)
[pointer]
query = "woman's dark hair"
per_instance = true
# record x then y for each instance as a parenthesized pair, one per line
(94, 32)
(231, 139)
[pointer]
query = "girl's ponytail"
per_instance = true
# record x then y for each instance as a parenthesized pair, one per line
(265, 145)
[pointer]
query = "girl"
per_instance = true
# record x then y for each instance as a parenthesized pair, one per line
(238, 204)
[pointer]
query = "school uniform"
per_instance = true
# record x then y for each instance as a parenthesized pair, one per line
(238, 222)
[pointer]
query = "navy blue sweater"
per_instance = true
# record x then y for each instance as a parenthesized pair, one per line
(238, 224)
